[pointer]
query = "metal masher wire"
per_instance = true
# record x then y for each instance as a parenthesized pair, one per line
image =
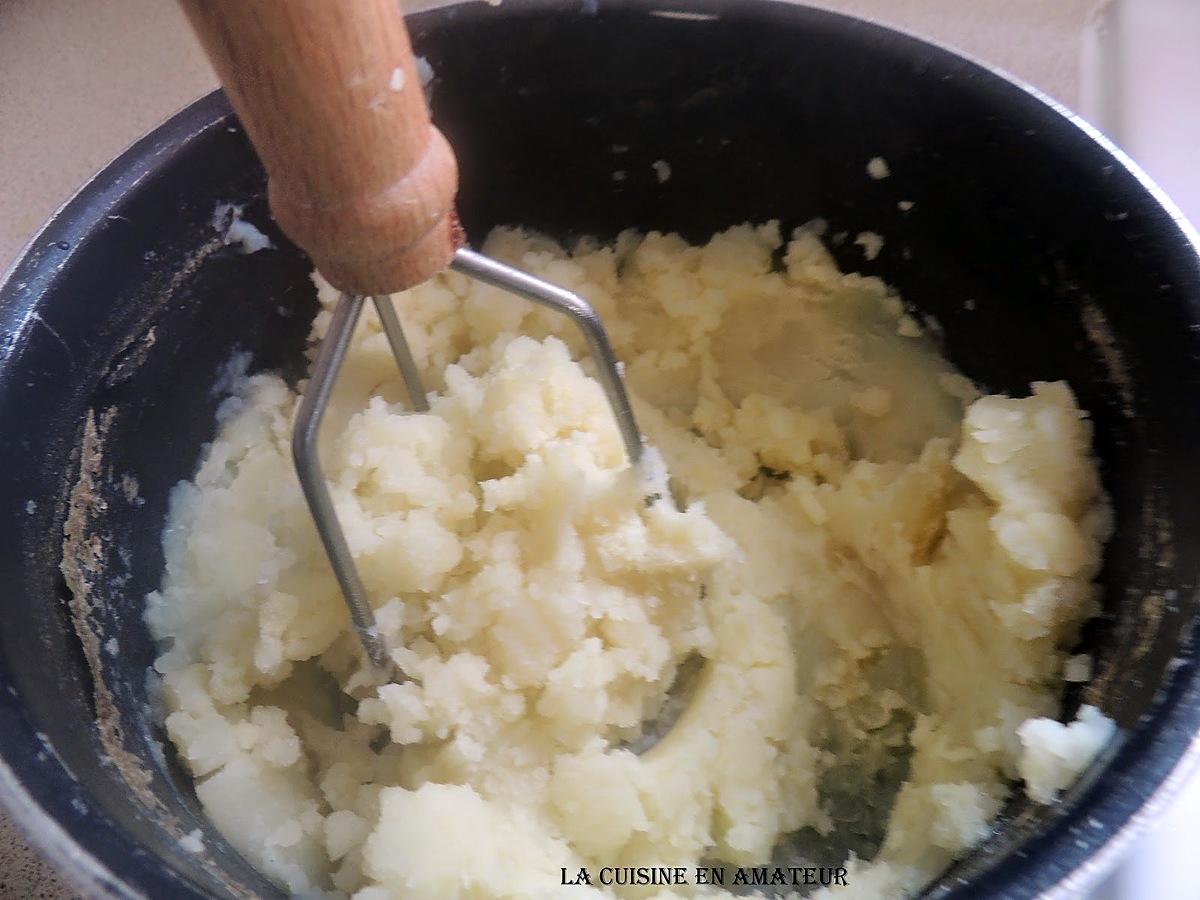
(324, 375)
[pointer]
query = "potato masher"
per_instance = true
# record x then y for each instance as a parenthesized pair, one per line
(329, 94)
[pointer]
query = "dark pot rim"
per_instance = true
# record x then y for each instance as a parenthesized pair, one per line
(63, 834)
(69, 838)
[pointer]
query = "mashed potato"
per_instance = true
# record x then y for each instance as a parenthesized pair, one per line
(882, 571)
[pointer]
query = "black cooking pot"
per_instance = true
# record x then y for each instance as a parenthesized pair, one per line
(1041, 251)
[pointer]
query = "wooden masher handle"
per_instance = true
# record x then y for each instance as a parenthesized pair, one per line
(328, 92)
